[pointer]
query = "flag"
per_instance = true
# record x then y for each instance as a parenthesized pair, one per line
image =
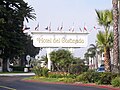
(49, 28)
(69, 29)
(37, 27)
(72, 29)
(61, 27)
(85, 28)
(46, 28)
(95, 28)
(58, 29)
(80, 29)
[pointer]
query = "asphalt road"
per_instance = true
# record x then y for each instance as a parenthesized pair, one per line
(15, 83)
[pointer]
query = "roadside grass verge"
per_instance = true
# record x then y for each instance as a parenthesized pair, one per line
(42, 79)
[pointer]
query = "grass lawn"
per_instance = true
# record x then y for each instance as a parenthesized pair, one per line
(44, 79)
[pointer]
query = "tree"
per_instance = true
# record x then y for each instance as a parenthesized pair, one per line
(78, 66)
(116, 34)
(91, 52)
(12, 14)
(106, 42)
(86, 56)
(94, 50)
(61, 60)
(105, 19)
(28, 49)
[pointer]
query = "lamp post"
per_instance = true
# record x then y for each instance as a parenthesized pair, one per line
(28, 59)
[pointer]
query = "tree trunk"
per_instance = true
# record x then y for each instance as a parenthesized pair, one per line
(116, 40)
(107, 61)
(4, 65)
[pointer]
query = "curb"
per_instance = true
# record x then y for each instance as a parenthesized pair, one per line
(77, 84)
(18, 74)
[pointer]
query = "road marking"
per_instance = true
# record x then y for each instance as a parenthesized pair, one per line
(7, 88)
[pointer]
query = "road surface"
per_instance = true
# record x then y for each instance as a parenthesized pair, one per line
(16, 83)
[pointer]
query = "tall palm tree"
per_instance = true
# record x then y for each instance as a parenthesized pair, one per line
(105, 19)
(105, 42)
(115, 30)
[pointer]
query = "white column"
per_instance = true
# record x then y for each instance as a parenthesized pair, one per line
(48, 57)
(90, 63)
(99, 60)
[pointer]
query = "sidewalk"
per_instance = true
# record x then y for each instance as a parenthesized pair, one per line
(17, 74)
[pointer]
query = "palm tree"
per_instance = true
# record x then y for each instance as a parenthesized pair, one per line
(92, 53)
(86, 56)
(105, 19)
(96, 52)
(115, 30)
(105, 42)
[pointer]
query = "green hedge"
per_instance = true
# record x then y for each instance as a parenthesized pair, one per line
(96, 77)
(18, 68)
(116, 82)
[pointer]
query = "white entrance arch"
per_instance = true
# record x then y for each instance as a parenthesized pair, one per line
(57, 39)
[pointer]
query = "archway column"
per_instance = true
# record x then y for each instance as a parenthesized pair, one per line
(49, 50)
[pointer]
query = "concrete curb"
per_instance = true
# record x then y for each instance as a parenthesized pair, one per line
(18, 74)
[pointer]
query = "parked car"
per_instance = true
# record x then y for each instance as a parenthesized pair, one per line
(101, 69)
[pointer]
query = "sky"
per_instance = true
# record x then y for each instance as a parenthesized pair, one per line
(77, 13)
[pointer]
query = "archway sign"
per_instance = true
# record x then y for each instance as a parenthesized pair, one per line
(58, 39)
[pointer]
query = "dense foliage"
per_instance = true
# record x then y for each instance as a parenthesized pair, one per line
(63, 60)
(12, 38)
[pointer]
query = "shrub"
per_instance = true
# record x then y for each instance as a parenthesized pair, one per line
(17, 68)
(90, 77)
(77, 68)
(67, 80)
(44, 72)
(56, 74)
(83, 77)
(96, 77)
(116, 82)
(93, 77)
(73, 76)
(79, 78)
(40, 71)
(106, 77)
